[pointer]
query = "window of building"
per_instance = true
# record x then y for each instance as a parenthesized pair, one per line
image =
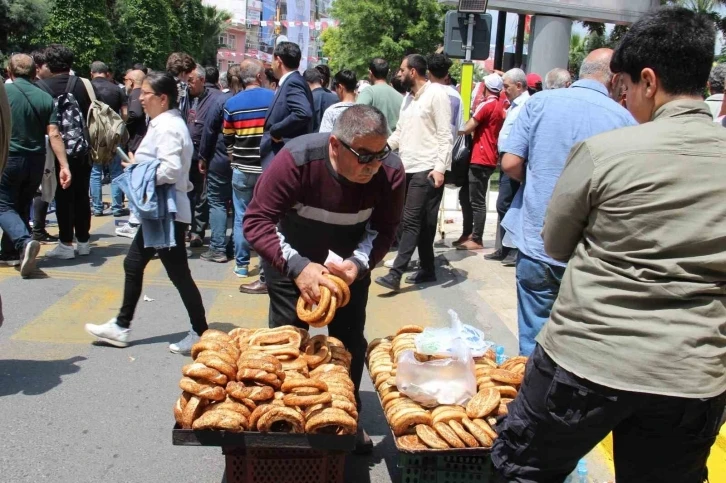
(228, 40)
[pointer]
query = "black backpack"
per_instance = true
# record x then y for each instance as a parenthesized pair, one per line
(72, 123)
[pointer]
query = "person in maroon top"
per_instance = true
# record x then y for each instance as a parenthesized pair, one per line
(486, 123)
(340, 192)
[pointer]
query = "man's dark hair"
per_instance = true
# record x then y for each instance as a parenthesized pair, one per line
(58, 58)
(141, 67)
(313, 76)
(676, 43)
(212, 74)
(347, 79)
(270, 74)
(454, 81)
(289, 53)
(379, 68)
(99, 67)
(38, 57)
(439, 65)
(325, 72)
(418, 63)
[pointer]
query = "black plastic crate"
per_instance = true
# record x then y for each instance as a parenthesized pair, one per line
(442, 468)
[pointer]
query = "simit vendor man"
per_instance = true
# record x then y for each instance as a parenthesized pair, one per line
(341, 192)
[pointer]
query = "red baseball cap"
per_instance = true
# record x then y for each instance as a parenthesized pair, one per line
(532, 80)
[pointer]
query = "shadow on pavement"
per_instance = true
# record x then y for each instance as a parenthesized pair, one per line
(167, 338)
(98, 256)
(358, 467)
(446, 276)
(34, 377)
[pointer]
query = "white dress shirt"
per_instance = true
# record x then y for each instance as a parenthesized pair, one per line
(168, 140)
(512, 114)
(284, 78)
(423, 133)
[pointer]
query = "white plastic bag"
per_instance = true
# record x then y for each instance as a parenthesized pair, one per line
(439, 342)
(436, 382)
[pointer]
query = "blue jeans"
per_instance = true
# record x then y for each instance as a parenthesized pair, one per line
(18, 185)
(117, 196)
(538, 284)
(219, 193)
(242, 186)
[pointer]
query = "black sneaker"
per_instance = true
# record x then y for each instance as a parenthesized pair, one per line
(511, 259)
(496, 256)
(390, 282)
(121, 212)
(422, 276)
(45, 237)
(212, 256)
(10, 260)
(195, 241)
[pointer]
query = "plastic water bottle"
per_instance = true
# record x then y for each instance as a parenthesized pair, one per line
(582, 471)
(500, 355)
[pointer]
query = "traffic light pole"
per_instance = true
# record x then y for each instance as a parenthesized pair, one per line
(467, 69)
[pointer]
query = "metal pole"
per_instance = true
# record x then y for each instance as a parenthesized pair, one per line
(499, 45)
(519, 52)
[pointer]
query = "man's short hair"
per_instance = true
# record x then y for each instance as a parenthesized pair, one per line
(517, 76)
(270, 74)
(99, 67)
(201, 72)
(325, 72)
(418, 63)
(439, 65)
(358, 121)
(22, 65)
(141, 67)
(212, 74)
(38, 57)
(379, 68)
(249, 69)
(676, 43)
(313, 76)
(347, 79)
(58, 58)
(289, 53)
(557, 78)
(717, 78)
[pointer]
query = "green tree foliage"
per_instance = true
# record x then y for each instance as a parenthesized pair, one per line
(144, 32)
(190, 15)
(83, 26)
(455, 71)
(20, 22)
(215, 22)
(381, 28)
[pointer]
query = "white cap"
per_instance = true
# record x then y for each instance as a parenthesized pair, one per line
(494, 83)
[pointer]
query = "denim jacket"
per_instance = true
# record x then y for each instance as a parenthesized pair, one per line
(154, 205)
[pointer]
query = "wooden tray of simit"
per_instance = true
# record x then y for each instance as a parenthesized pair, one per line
(254, 439)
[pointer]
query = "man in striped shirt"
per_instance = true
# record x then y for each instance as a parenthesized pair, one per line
(244, 120)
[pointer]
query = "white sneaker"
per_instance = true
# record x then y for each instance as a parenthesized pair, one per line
(127, 231)
(29, 254)
(110, 333)
(389, 263)
(184, 346)
(83, 249)
(62, 252)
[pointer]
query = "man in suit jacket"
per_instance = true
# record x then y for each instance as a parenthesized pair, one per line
(291, 112)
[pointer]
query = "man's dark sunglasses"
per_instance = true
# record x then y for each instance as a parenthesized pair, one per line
(369, 158)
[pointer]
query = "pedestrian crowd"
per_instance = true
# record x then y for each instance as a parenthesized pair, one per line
(609, 208)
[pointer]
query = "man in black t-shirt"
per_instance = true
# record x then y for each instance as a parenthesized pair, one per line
(73, 207)
(111, 94)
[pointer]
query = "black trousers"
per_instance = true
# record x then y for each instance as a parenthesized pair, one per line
(177, 267)
(507, 189)
(478, 187)
(73, 205)
(198, 200)
(40, 212)
(420, 215)
(347, 325)
(557, 418)
(467, 212)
